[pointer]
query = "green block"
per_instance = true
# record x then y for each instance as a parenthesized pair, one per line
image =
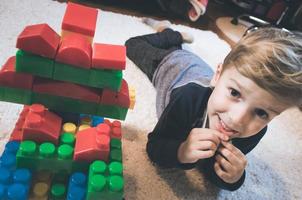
(65, 72)
(45, 157)
(105, 182)
(112, 111)
(111, 79)
(58, 192)
(15, 95)
(34, 64)
(65, 104)
(116, 155)
(115, 143)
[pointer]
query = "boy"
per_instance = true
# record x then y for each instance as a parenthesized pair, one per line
(215, 119)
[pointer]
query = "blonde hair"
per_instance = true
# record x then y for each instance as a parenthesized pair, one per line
(272, 58)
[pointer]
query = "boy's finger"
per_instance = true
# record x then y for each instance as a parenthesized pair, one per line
(204, 154)
(206, 145)
(232, 148)
(208, 137)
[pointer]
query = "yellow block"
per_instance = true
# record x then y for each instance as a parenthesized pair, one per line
(69, 128)
(65, 33)
(40, 190)
(132, 97)
(83, 127)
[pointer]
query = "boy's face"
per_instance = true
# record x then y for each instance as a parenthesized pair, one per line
(238, 107)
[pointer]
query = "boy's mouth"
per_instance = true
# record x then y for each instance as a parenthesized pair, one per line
(223, 128)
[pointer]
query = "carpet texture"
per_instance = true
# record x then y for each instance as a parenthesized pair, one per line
(274, 168)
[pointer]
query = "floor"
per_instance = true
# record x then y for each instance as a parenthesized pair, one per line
(147, 8)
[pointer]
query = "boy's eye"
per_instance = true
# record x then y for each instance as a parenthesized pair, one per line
(234, 93)
(261, 113)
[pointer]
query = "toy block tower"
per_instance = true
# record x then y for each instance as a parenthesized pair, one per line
(55, 75)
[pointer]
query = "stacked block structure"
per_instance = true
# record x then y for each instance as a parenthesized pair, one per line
(56, 76)
(68, 73)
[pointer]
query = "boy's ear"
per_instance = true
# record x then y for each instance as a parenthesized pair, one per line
(216, 75)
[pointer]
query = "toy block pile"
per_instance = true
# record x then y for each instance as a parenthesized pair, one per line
(60, 148)
(68, 73)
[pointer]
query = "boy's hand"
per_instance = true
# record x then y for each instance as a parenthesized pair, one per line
(201, 143)
(230, 165)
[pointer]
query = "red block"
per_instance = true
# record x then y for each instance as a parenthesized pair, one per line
(120, 98)
(41, 125)
(93, 144)
(80, 19)
(17, 133)
(66, 89)
(107, 56)
(75, 50)
(39, 39)
(9, 77)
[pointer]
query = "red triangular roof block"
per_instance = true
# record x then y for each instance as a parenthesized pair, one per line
(39, 39)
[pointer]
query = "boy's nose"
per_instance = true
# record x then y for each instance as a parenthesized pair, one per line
(240, 116)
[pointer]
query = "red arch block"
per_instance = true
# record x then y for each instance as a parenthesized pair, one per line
(9, 77)
(39, 39)
(75, 50)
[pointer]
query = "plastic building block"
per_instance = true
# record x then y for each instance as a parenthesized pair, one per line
(67, 138)
(65, 104)
(111, 111)
(58, 192)
(45, 156)
(9, 77)
(104, 183)
(34, 64)
(80, 19)
(14, 183)
(69, 128)
(17, 133)
(15, 95)
(77, 187)
(75, 50)
(41, 125)
(132, 97)
(85, 119)
(65, 89)
(107, 56)
(40, 185)
(67, 116)
(91, 77)
(39, 39)
(120, 98)
(111, 79)
(93, 144)
(96, 120)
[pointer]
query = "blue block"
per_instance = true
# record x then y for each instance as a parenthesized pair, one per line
(8, 160)
(17, 191)
(12, 147)
(96, 120)
(14, 183)
(77, 186)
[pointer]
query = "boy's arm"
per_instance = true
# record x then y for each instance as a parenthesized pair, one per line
(175, 124)
(245, 145)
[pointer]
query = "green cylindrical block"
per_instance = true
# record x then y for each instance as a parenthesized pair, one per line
(97, 182)
(67, 138)
(28, 147)
(58, 192)
(65, 152)
(116, 183)
(115, 168)
(98, 167)
(47, 150)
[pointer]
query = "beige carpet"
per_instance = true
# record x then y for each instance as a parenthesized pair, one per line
(274, 169)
